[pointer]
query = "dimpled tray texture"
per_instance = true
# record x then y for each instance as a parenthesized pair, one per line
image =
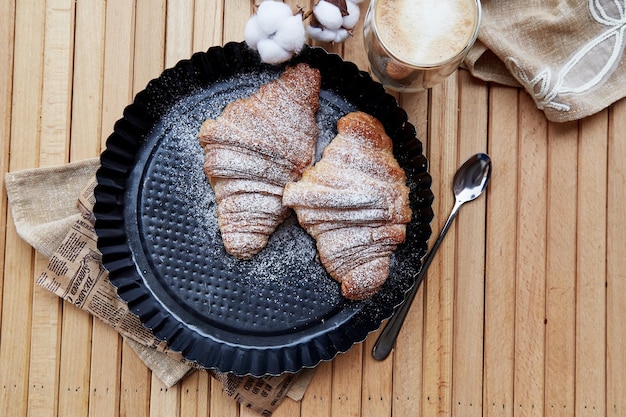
(158, 234)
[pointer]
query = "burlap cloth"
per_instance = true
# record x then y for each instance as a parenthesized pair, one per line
(51, 211)
(568, 54)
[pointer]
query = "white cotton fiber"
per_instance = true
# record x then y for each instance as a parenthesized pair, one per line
(270, 13)
(290, 34)
(275, 32)
(328, 15)
(253, 33)
(341, 35)
(352, 18)
(320, 34)
(271, 52)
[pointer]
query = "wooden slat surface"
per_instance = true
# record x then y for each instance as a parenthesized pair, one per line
(522, 312)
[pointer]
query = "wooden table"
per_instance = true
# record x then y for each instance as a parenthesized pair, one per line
(523, 311)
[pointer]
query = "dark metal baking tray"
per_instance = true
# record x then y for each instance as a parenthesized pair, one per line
(155, 219)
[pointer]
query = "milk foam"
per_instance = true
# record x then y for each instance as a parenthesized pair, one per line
(426, 32)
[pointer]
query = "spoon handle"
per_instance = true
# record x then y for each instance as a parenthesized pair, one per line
(387, 338)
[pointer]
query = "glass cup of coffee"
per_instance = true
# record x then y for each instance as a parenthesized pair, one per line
(413, 45)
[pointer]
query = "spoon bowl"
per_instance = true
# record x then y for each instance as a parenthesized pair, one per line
(472, 177)
(470, 181)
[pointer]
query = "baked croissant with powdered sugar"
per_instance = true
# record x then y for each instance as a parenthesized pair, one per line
(256, 146)
(355, 203)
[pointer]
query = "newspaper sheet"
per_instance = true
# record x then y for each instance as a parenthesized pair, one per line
(76, 274)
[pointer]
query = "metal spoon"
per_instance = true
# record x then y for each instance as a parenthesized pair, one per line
(470, 181)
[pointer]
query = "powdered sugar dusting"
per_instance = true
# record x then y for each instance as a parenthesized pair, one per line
(267, 138)
(355, 206)
(284, 286)
(180, 201)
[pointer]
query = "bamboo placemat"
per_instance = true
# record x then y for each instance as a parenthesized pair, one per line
(522, 312)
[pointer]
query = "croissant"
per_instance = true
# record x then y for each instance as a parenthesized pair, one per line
(253, 149)
(355, 203)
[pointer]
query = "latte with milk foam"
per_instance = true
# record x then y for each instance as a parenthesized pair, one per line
(426, 32)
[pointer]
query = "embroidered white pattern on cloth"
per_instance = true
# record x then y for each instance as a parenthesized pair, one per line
(607, 47)
(567, 54)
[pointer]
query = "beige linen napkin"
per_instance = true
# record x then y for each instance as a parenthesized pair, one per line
(567, 54)
(51, 208)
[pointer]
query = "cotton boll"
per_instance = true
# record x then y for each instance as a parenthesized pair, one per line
(352, 18)
(253, 32)
(271, 52)
(319, 34)
(290, 34)
(275, 32)
(270, 13)
(328, 15)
